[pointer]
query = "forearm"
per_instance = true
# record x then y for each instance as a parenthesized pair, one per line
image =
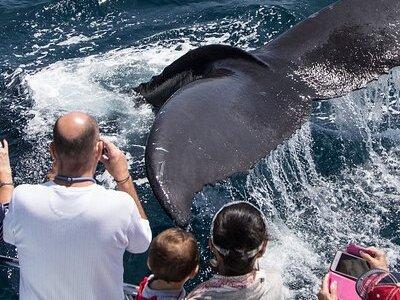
(6, 192)
(129, 187)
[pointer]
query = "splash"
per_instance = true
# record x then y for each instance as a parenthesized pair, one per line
(310, 214)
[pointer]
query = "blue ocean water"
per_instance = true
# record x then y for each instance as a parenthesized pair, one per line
(334, 181)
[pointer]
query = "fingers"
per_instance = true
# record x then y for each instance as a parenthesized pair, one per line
(328, 292)
(112, 151)
(4, 149)
(5, 168)
(376, 258)
(324, 293)
(333, 290)
(104, 159)
(4, 145)
(110, 147)
(325, 284)
(108, 150)
(366, 256)
(374, 251)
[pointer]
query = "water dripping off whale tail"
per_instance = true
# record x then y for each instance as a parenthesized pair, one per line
(220, 109)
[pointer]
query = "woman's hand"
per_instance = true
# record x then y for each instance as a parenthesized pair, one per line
(376, 258)
(328, 292)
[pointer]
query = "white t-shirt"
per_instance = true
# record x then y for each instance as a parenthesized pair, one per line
(71, 241)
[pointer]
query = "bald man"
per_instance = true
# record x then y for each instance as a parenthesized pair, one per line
(71, 233)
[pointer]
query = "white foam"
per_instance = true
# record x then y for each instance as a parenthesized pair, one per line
(76, 39)
(312, 216)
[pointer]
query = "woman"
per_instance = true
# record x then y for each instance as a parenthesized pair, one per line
(238, 238)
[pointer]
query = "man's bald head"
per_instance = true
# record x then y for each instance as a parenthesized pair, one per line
(75, 136)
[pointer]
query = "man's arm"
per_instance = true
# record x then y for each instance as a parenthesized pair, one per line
(129, 187)
(117, 165)
(6, 192)
(2, 215)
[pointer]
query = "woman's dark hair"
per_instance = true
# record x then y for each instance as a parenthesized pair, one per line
(238, 229)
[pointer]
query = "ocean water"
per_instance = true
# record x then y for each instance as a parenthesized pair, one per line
(334, 181)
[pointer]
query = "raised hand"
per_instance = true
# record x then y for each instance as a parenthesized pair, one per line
(6, 181)
(5, 167)
(376, 258)
(115, 161)
(117, 165)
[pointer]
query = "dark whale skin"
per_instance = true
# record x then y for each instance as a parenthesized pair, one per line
(221, 109)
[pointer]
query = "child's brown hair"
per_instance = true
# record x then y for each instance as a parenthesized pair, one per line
(173, 255)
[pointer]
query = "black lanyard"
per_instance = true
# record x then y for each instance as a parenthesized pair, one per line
(71, 180)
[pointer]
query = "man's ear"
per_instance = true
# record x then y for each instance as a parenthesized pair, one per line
(53, 152)
(99, 149)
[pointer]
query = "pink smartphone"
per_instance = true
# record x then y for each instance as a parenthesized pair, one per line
(345, 270)
(346, 287)
(355, 249)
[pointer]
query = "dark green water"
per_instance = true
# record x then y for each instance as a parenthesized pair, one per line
(334, 181)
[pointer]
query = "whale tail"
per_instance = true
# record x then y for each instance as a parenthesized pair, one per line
(223, 122)
(221, 109)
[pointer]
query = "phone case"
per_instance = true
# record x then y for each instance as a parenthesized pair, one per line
(346, 287)
(355, 250)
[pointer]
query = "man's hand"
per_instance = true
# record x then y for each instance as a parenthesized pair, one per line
(376, 258)
(328, 292)
(115, 161)
(5, 167)
(117, 165)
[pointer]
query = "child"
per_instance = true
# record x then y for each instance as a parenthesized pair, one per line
(173, 260)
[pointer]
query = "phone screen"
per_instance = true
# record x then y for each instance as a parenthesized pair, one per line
(352, 266)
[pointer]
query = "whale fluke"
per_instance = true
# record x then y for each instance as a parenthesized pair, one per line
(220, 109)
